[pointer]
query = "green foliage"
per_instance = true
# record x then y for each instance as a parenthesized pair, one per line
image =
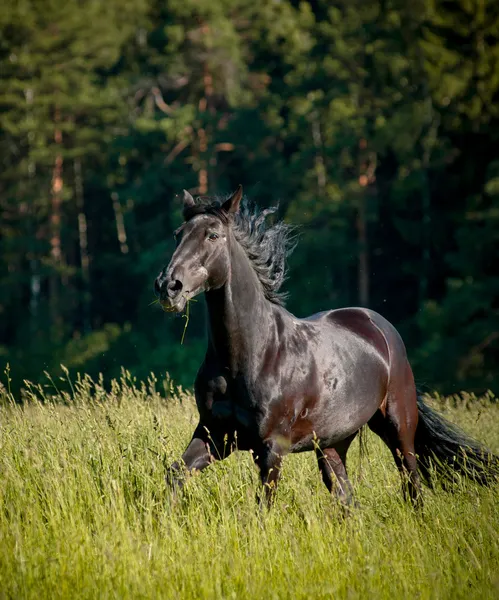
(374, 126)
(86, 513)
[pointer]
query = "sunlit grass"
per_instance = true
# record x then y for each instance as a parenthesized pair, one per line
(84, 512)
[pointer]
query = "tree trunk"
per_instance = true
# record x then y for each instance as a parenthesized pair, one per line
(203, 169)
(83, 244)
(367, 179)
(363, 256)
(204, 105)
(55, 225)
(320, 167)
(120, 223)
(426, 202)
(34, 287)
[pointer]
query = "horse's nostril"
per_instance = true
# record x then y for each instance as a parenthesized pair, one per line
(174, 288)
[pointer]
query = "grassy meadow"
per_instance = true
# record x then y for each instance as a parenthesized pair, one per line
(84, 512)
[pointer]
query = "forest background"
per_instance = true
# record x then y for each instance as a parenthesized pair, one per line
(375, 125)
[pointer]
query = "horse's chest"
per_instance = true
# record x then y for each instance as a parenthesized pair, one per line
(226, 401)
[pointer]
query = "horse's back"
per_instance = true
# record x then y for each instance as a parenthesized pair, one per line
(371, 330)
(367, 325)
(378, 331)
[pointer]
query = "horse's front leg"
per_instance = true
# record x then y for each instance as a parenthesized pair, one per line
(269, 461)
(204, 449)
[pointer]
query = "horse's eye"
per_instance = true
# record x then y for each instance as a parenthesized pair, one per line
(213, 236)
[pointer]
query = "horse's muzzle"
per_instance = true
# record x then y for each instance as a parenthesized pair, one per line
(169, 291)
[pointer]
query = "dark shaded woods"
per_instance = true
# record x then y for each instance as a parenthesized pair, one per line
(374, 127)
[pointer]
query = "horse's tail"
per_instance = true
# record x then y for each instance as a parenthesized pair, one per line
(442, 447)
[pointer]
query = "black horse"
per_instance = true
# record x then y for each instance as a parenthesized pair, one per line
(274, 383)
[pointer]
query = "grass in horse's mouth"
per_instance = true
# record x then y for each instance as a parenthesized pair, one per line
(185, 315)
(163, 307)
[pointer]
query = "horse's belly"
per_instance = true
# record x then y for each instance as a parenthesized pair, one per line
(336, 402)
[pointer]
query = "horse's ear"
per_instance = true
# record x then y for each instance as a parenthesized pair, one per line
(232, 204)
(187, 199)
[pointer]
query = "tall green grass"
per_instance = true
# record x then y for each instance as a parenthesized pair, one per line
(84, 512)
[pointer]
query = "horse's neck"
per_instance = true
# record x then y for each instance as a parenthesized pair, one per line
(239, 316)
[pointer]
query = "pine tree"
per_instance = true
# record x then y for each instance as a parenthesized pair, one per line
(60, 112)
(460, 343)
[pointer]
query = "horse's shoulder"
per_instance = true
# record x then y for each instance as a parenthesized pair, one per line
(211, 378)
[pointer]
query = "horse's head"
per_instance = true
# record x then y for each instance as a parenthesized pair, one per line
(201, 259)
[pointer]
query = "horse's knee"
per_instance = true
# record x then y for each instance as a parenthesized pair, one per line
(174, 476)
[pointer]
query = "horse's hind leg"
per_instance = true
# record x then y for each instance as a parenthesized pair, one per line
(397, 428)
(333, 461)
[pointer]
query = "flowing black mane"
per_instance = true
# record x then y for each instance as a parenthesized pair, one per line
(267, 246)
